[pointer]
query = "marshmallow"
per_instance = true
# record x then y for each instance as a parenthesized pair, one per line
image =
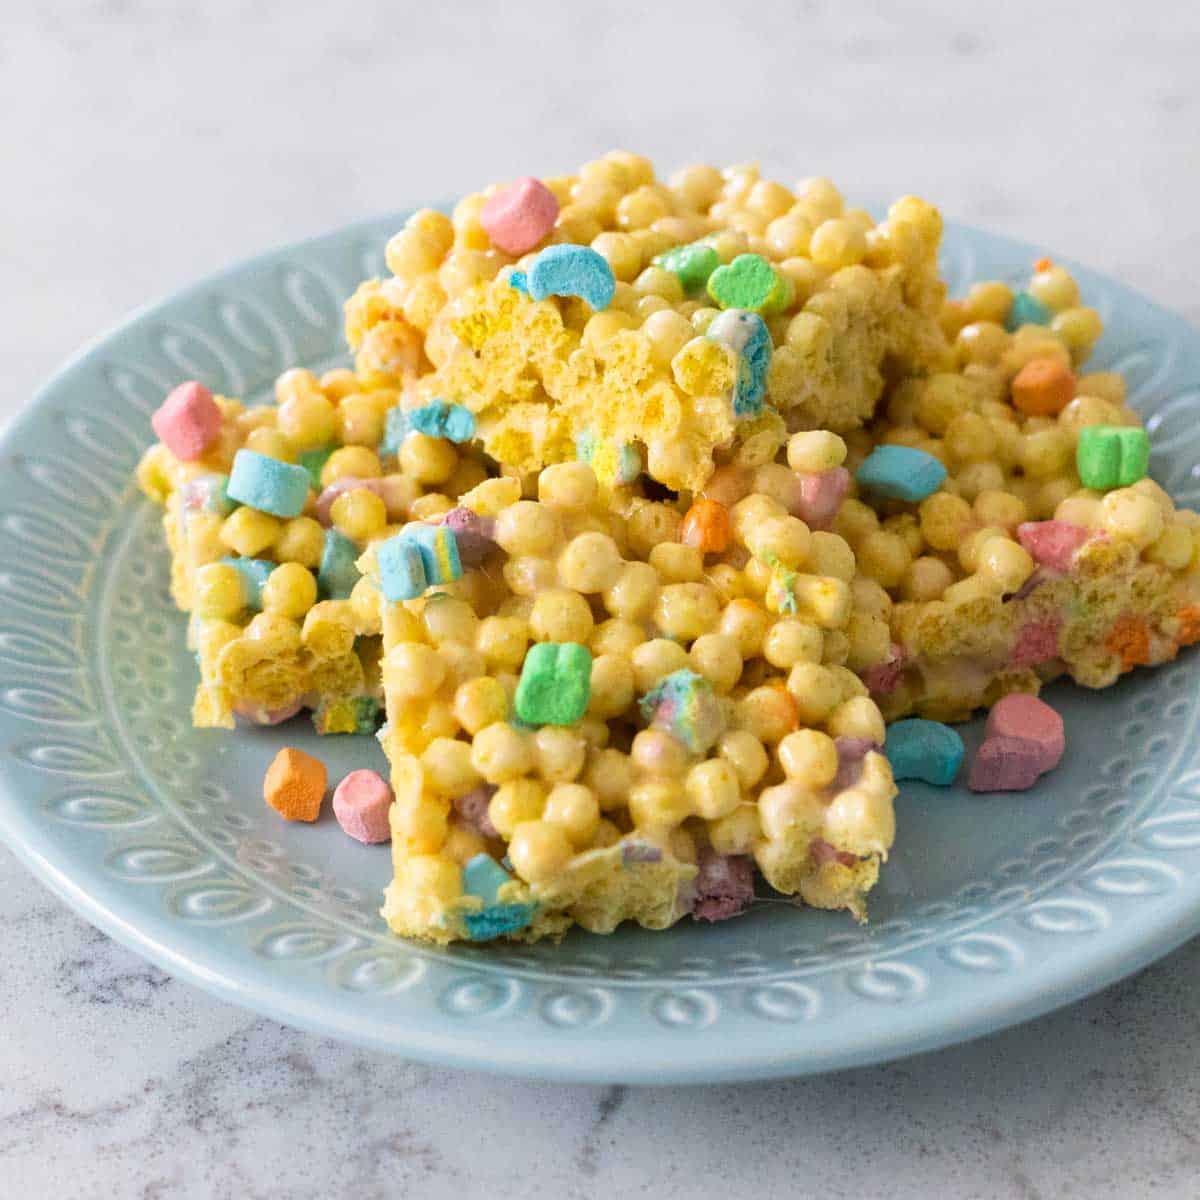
(1052, 543)
(188, 421)
(338, 572)
(267, 484)
(1005, 764)
(821, 495)
(724, 885)
(569, 270)
(294, 785)
(924, 750)
(1111, 456)
(556, 684)
(360, 803)
(1026, 309)
(1019, 715)
(901, 473)
(519, 216)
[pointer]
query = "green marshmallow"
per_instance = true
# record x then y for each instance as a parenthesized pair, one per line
(313, 461)
(693, 264)
(750, 283)
(556, 684)
(1111, 456)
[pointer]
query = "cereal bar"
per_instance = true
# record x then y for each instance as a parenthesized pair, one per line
(1046, 550)
(724, 288)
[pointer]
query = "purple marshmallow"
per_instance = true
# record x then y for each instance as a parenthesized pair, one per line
(639, 852)
(472, 810)
(884, 678)
(1006, 764)
(723, 887)
(851, 752)
(474, 534)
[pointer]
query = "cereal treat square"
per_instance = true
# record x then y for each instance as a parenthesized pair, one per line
(613, 714)
(266, 510)
(1011, 571)
(666, 326)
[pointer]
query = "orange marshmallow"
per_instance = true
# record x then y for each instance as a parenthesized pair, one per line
(1043, 387)
(1129, 638)
(294, 785)
(707, 527)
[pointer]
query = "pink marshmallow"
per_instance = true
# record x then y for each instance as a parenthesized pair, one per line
(821, 495)
(349, 484)
(360, 803)
(267, 716)
(1052, 543)
(517, 217)
(1005, 764)
(188, 421)
(1031, 720)
(1036, 643)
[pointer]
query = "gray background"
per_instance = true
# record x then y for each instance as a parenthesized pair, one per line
(143, 145)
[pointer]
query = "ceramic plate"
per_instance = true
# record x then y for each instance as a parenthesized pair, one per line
(991, 910)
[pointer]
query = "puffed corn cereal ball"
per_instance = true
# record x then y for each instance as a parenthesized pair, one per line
(539, 850)
(290, 590)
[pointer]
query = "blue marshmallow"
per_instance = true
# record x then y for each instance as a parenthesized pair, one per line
(569, 270)
(439, 552)
(901, 473)
(338, 573)
(747, 335)
(396, 428)
(1026, 310)
(497, 920)
(611, 463)
(254, 572)
(267, 484)
(417, 558)
(401, 571)
(439, 419)
(924, 750)
(484, 877)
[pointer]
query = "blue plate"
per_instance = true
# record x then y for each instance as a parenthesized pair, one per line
(992, 910)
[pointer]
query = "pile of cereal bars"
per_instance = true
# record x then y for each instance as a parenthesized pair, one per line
(642, 508)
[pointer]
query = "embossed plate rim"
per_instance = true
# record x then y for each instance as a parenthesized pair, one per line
(471, 1011)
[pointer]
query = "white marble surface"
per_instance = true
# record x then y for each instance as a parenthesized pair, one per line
(144, 144)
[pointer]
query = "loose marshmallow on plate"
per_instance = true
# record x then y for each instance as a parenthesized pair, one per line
(1022, 716)
(360, 803)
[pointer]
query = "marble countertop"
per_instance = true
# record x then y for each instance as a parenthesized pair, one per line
(145, 145)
